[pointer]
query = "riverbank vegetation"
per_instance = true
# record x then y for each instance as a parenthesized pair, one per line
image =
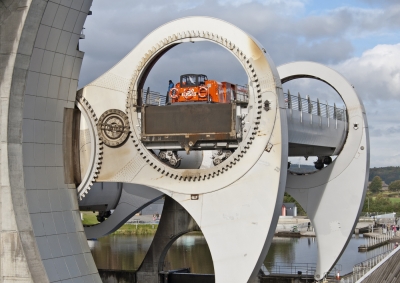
(137, 229)
(382, 202)
(383, 193)
(89, 218)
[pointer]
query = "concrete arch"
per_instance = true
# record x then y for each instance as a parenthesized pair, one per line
(45, 238)
(343, 182)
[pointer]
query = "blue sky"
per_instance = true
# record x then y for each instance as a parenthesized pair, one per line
(359, 38)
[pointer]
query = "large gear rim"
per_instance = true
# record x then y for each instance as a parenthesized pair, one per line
(246, 142)
(93, 172)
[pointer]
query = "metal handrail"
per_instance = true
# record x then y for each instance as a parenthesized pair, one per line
(153, 98)
(291, 102)
(371, 262)
(360, 269)
(376, 240)
(316, 108)
(242, 93)
(307, 269)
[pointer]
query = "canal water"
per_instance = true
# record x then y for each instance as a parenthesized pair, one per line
(123, 252)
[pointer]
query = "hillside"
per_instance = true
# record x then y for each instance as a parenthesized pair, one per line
(387, 174)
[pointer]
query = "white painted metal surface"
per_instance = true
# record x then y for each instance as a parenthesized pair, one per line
(239, 200)
(132, 199)
(333, 197)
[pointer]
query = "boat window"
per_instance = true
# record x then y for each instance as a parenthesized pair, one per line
(183, 80)
(192, 79)
(202, 79)
(189, 80)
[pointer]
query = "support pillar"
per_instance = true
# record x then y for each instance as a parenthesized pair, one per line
(175, 222)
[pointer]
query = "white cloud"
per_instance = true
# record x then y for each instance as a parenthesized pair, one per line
(376, 77)
(384, 151)
(376, 74)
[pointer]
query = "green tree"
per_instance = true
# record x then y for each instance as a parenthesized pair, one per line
(388, 174)
(376, 184)
(382, 204)
(395, 186)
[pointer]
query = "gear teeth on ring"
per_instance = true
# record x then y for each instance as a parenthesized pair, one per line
(95, 171)
(252, 74)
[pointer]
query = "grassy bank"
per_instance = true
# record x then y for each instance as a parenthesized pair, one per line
(395, 200)
(392, 200)
(137, 229)
(89, 218)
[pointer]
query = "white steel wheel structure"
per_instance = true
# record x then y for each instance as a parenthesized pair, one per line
(236, 201)
(333, 197)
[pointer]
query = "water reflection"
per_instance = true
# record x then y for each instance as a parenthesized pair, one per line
(304, 250)
(191, 250)
(120, 252)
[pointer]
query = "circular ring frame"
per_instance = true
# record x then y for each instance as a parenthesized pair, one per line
(264, 84)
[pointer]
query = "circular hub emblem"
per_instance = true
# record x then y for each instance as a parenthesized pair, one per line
(113, 127)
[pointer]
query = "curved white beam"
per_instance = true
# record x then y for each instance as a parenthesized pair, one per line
(238, 200)
(133, 198)
(334, 196)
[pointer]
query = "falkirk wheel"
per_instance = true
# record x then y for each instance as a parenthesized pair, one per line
(58, 145)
